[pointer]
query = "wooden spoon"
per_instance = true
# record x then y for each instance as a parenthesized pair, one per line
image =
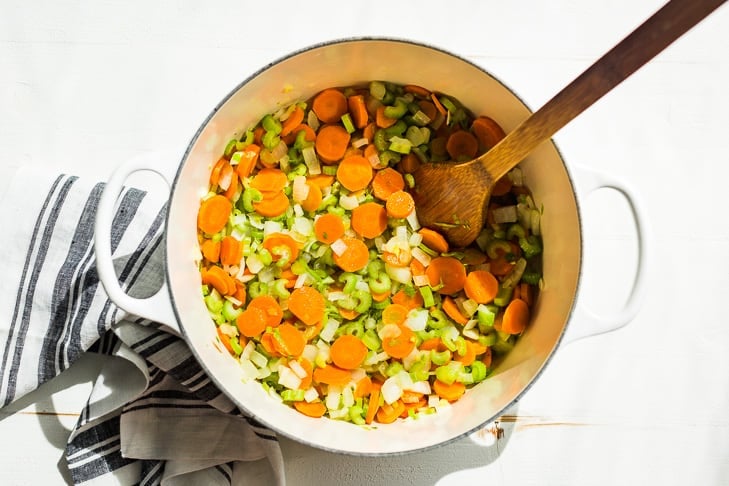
(453, 197)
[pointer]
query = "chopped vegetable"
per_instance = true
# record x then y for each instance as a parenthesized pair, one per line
(320, 280)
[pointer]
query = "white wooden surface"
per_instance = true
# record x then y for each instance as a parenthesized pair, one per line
(84, 85)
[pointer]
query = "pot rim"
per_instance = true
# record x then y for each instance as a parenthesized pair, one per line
(279, 430)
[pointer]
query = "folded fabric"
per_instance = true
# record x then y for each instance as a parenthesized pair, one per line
(153, 416)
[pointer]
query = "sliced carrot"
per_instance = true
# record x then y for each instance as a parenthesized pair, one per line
(217, 169)
(354, 172)
(348, 314)
(328, 228)
(526, 293)
(400, 345)
(369, 131)
(273, 205)
(332, 375)
(267, 341)
(388, 413)
(348, 352)
(412, 301)
(428, 107)
(438, 105)
(369, 220)
(270, 307)
(231, 251)
(383, 121)
(280, 244)
(481, 286)
(251, 322)
(409, 396)
(289, 341)
(329, 105)
(473, 349)
(311, 409)
(386, 182)
(309, 134)
(309, 368)
(213, 214)
(394, 314)
(372, 406)
(450, 392)
(430, 344)
(381, 296)
(225, 339)
(409, 163)
(416, 90)
(434, 240)
(400, 204)
(269, 180)
(294, 120)
(258, 134)
(516, 317)
(462, 145)
(486, 357)
(452, 310)
(307, 304)
(354, 257)
(502, 186)
(500, 266)
(313, 198)
(331, 143)
(219, 279)
(358, 110)
(248, 160)
(321, 180)
(447, 274)
(240, 292)
(438, 146)
(232, 189)
(487, 131)
(210, 250)
(473, 256)
(363, 387)
(416, 267)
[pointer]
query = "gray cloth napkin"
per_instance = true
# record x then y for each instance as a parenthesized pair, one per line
(153, 416)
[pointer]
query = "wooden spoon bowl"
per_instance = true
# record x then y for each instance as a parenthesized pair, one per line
(453, 197)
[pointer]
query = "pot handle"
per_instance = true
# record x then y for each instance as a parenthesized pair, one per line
(585, 322)
(157, 307)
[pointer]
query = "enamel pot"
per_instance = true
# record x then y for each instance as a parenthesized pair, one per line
(557, 316)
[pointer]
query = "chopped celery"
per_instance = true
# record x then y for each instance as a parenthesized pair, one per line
(503, 296)
(229, 312)
(427, 294)
(450, 372)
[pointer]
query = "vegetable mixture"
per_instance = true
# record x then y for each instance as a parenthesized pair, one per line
(321, 281)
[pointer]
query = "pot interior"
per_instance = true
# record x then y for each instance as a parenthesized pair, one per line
(350, 62)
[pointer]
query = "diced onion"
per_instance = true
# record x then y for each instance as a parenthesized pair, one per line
(412, 220)
(327, 332)
(347, 397)
(312, 120)
(391, 390)
(310, 352)
(360, 142)
(333, 397)
(311, 160)
(505, 214)
(297, 369)
(270, 227)
(311, 394)
(301, 280)
(401, 275)
(421, 280)
(249, 371)
(421, 256)
(417, 319)
(339, 247)
(421, 387)
(287, 378)
(348, 202)
(255, 264)
(300, 189)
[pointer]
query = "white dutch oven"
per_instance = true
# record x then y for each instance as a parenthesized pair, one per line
(179, 303)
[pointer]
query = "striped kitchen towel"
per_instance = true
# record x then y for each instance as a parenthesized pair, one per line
(153, 416)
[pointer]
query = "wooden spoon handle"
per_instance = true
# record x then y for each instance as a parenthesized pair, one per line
(644, 43)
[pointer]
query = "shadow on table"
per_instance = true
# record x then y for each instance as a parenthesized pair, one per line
(40, 403)
(309, 466)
